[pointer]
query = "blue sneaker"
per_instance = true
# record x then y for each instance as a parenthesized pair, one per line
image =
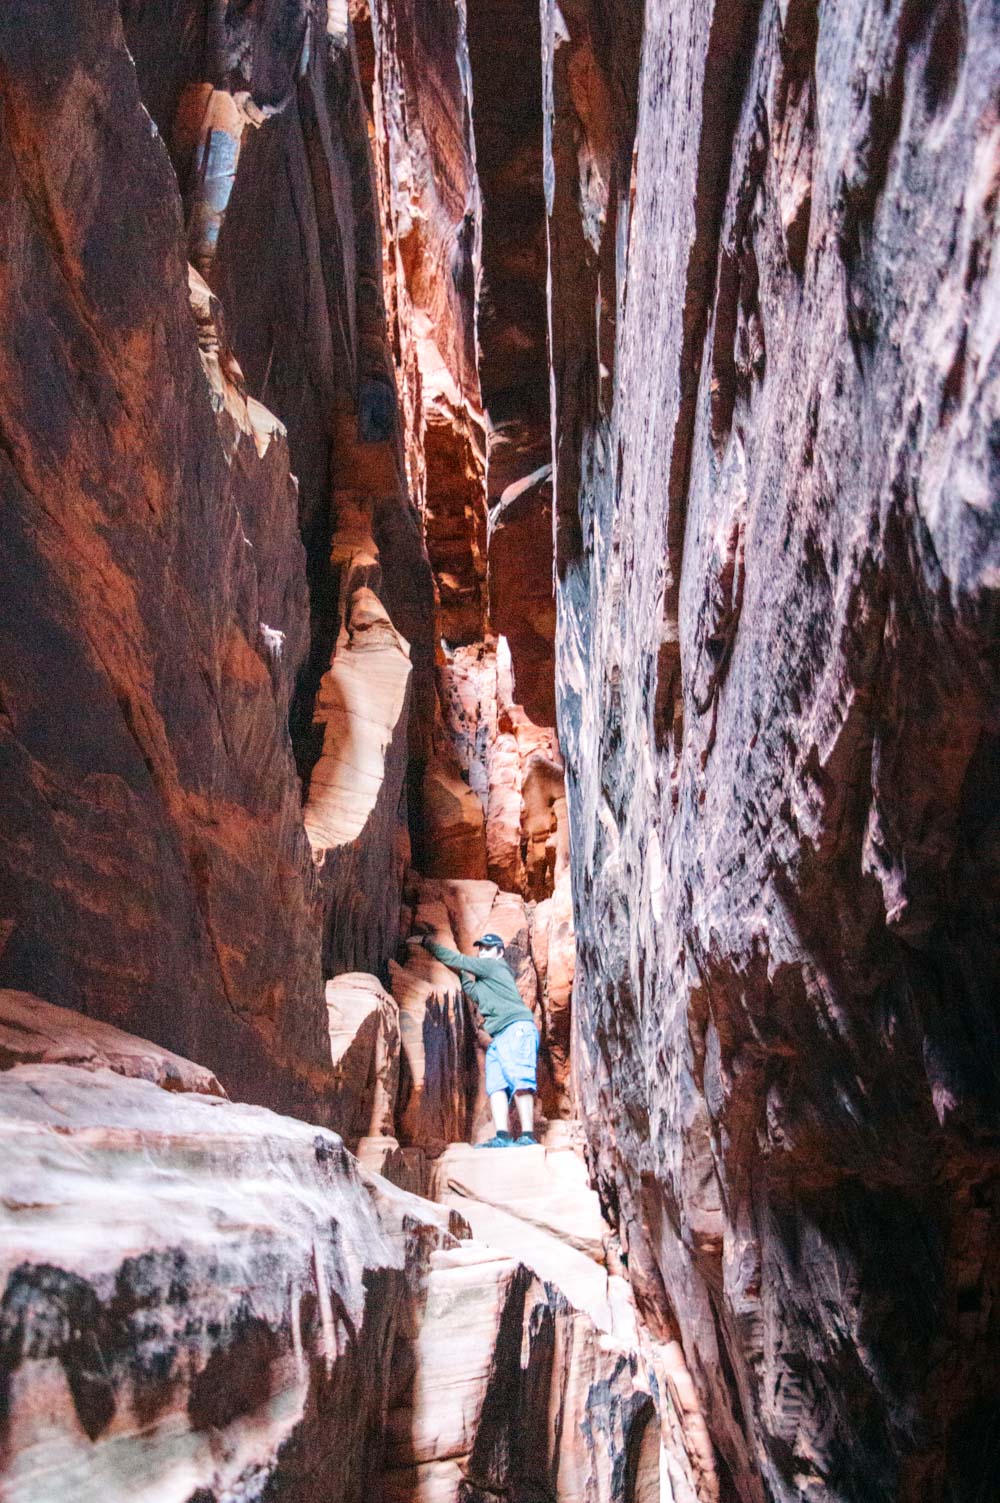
(526, 1140)
(499, 1140)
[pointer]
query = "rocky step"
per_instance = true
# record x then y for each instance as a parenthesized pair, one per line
(204, 1299)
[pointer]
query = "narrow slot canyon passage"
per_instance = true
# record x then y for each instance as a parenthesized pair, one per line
(499, 724)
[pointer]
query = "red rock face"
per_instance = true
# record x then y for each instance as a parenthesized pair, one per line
(431, 215)
(280, 661)
(232, 549)
(505, 60)
(170, 738)
(154, 613)
(776, 536)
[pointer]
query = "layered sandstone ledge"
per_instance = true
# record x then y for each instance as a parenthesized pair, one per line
(202, 1298)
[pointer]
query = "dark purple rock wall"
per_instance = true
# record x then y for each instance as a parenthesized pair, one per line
(778, 534)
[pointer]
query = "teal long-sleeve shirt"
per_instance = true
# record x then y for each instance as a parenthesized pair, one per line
(490, 984)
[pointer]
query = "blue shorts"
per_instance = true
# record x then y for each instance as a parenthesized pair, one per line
(511, 1059)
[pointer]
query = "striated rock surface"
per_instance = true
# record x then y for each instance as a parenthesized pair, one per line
(535, 1205)
(269, 135)
(514, 1394)
(205, 1302)
(776, 377)
(431, 215)
(287, 287)
(35, 1032)
(364, 1050)
(154, 612)
(361, 707)
(212, 1300)
(355, 807)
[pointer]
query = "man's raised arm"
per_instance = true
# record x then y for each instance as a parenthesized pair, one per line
(454, 959)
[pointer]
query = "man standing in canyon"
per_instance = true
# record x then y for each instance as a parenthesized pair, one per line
(509, 1031)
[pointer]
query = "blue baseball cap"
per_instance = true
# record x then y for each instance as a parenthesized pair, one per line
(489, 942)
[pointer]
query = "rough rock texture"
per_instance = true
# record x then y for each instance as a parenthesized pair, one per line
(268, 130)
(514, 1393)
(213, 1301)
(204, 1302)
(777, 387)
(535, 1204)
(160, 631)
(35, 1032)
(154, 609)
(431, 217)
(254, 729)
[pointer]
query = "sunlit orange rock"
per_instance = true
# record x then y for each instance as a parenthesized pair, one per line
(364, 1050)
(361, 707)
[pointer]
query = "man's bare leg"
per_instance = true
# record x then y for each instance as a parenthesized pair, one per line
(500, 1107)
(525, 1103)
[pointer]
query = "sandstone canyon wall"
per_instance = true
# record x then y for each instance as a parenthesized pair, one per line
(774, 354)
(154, 616)
(473, 464)
(256, 721)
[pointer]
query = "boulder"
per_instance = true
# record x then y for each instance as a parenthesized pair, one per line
(364, 1050)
